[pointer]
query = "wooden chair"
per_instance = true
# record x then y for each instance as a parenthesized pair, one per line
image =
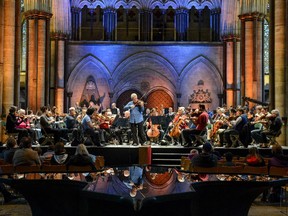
(205, 170)
(53, 168)
(30, 172)
(48, 138)
(230, 169)
(263, 170)
(278, 171)
(6, 169)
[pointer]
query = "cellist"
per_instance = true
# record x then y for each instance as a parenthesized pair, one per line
(178, 123)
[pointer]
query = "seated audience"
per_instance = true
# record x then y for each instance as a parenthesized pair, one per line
(11, 147)
(25, 155)
(192, 153)
(206, 158)
(81, 157)
(229, 159)
(60, 156)
(278, 159)
(254, 158)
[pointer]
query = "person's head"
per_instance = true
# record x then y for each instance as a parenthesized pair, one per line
(192, 153)
(275, 112)
(253, 151)
(90, 111)
(12, 109)
(170, 109)
(207, 147)
(43, 109)
(181, 110)
(240, 111)
(21, 112)
(113, 105)
(26, 142)
(229, 156)
(72, 111)
(277, 149)
(59, 148)
(82, 150)
(11, 143)
(134, 97)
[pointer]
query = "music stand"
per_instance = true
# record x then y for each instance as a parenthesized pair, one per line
(121, 122)
(158, 120)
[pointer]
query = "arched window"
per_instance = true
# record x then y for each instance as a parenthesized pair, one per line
(266, 58)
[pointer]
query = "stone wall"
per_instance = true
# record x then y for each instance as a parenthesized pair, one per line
(180, 69)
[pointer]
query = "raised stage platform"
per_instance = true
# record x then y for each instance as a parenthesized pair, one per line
(168, 155)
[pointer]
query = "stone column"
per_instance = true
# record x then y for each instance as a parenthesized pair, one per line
(280, 62)
(110, 17)
(75, 16)
(145, 20)
(58, 72)
(9, 55)
(37, 54)
(252, 58)
(232, 70)
(181, 24)
(1, 52)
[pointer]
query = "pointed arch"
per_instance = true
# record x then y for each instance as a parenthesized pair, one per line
(89, 66)
(203, 70)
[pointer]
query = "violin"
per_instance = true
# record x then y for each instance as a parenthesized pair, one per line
(139, 103)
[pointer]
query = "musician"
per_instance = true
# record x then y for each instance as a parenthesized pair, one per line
(177, 125)
(154, 132)
(12, 123)
(274, 127)
(89, 128)
(235, 127)
(115, 110)
(47, 123)
(200, 122)
(218, 121)
(136, 108)
(70, 120)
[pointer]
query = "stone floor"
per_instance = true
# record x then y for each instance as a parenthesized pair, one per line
(21, 208)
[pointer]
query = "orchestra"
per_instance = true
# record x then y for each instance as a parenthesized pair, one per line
(107, 126)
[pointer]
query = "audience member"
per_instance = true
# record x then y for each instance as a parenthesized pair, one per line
(60, 156)
(26, 155)
(81, 157)
(206, 158)
(278, 158)
(11, 147)
(254, 158)
(229, 159)
(192, 153)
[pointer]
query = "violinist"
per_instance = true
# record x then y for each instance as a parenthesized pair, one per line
(136, 108)
(89, 128)
(71, 121)
(12, 123)
(219, 120)
(200, 122)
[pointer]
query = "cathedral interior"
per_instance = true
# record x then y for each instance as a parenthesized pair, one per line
(170, 52)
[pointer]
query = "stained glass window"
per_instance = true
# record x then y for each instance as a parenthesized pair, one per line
(266, 47)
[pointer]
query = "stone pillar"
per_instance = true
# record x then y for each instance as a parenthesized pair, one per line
(1, 52)
(181, 24)
(17, 52)
(58, 69)
(37, 54)
(252, 58)
(9, 55)
(76, 23)
(232, 70)
(280, 60)
(110, 17)
(145, 19)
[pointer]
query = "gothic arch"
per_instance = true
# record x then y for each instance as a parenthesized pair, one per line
(141, 67)
(88, 66)
(201, 69)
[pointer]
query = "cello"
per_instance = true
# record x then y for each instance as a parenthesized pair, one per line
(153, 131)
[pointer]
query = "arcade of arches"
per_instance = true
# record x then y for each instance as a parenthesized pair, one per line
(171, 53)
